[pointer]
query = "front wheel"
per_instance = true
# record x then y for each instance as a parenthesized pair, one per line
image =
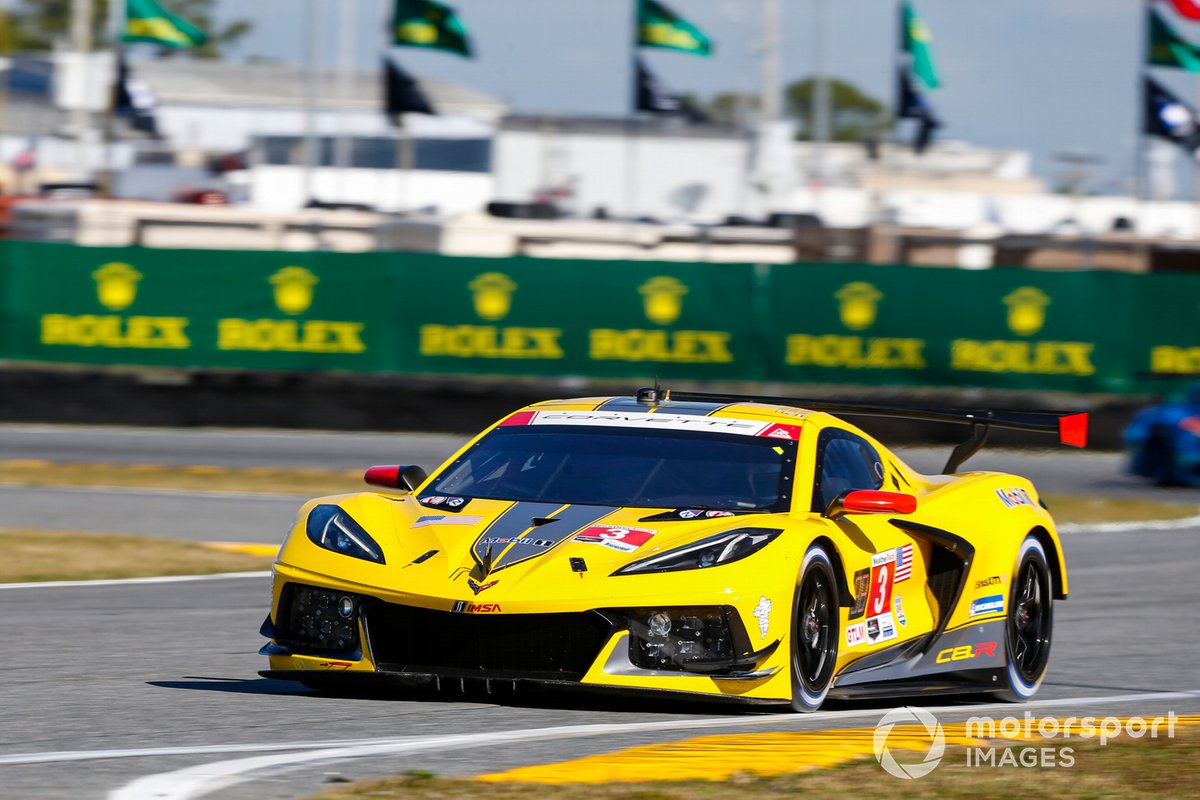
(1029, 622)
(815, 631)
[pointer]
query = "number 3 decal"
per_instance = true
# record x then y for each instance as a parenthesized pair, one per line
(882, 593)
(879, 599)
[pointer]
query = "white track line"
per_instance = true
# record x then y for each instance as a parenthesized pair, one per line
(1122, 527)
(204, 779)
(24, 759)
(219, 576)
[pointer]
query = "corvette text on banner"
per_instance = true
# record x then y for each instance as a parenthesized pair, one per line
(421, 313)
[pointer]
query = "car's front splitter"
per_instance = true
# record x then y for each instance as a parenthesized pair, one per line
(383, 682)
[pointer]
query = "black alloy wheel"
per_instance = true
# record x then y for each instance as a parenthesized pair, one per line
(815, 633)
(1029, 622)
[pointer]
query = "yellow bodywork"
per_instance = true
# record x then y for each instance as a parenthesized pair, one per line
(966, 504)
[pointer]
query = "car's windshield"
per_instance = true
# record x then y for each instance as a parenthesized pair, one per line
(602, 466)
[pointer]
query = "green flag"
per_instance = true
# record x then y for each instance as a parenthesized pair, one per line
(1168, 48)
(147, 21)
(659, 26)
(915, 41)
(428, 23)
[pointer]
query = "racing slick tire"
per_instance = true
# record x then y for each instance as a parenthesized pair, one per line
(1029, 622)
(816, 631)
(1159, 456)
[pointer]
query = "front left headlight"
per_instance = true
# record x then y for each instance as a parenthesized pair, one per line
(332, 528)
(712, 551)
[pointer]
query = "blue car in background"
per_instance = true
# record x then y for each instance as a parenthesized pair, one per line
(1164, 441)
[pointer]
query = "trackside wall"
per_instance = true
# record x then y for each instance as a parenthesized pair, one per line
(422, 314)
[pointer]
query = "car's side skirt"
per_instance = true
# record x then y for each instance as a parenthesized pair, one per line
(977, 647)
(963, 681)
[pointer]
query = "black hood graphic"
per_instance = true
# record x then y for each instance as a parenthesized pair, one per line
(527, 530)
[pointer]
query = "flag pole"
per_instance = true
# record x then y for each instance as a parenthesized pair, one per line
(770, 108)
(770, 62)
(116, 25)
(81, 44)
(1139, 147)
(311, 157)
(345, 81)
(1141, 247)
(406, 151)
(6, 66)
(388, 28)
(1196, 169)
(631, 130)
(899, 64)
(820, 111)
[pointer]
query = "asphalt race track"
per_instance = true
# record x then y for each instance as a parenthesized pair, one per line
(110, 685)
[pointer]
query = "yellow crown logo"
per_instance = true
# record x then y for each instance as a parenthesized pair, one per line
(116, 285)
(669, 36)
(1026, 310)
(662, 299)
(418, 32)
(293, 289)
(859, 302)
(492, 295)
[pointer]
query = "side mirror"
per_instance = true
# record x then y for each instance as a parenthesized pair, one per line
(870, 501)
(396, 476)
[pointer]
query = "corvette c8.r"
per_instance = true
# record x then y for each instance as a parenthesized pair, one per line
(701, 544)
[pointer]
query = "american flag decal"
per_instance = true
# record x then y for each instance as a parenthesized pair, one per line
(903, 562)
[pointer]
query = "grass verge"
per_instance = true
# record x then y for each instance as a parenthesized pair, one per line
(35, 555)
(1082, 509)
(1138, 768)
(274, 480)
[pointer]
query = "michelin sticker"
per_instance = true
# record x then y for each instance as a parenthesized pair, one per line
(992, 604)
(1014, 496)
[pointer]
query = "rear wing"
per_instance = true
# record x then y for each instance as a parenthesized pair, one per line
(1071, 428)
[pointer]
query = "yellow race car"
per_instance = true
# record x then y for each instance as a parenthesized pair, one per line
(756, 549)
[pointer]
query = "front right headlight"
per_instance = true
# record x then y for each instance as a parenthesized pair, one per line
(712, 551)
(331, 527)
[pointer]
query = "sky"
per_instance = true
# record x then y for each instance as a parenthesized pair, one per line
(1049, 76)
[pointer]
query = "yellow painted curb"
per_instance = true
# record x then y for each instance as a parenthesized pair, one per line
(205, 469)
(718, 758)
(244, 547)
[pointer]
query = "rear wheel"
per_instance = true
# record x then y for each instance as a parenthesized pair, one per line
(815, 631)
(1029, 622)
(1160, 456)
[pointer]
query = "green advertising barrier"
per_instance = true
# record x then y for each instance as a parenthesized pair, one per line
(1071, 331)
(421, 313)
